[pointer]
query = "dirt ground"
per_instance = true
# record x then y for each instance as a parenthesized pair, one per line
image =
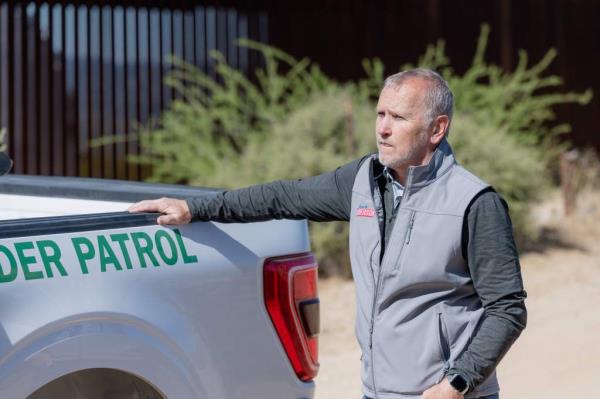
(557, 356)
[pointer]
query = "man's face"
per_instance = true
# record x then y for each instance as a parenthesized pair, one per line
(402, 126)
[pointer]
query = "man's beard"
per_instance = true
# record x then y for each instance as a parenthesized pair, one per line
(399, 161)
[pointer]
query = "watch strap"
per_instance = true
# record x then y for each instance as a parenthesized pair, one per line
(458, 383)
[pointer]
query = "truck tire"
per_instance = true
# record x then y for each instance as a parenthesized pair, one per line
(97, 384)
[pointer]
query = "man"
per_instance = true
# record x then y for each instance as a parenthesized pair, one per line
(439, 292)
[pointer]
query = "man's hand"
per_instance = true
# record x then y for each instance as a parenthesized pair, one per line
(175, 211)
(443, 390)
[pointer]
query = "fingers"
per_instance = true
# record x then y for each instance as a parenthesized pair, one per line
(146, 206)
(171, 220)
(175, 211)
(165, 220)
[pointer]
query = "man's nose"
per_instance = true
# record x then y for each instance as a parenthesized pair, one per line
(383, 127)
(383, 133)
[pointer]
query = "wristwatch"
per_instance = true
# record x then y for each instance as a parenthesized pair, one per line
(459, 383)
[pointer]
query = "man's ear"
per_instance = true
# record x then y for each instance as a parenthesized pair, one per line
(439, 128)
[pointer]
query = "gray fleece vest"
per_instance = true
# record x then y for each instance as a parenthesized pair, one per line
(417, 309)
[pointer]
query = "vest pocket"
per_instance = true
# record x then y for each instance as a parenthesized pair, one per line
(444, 343)
(443, 346)
(409, 357)
(406, 240)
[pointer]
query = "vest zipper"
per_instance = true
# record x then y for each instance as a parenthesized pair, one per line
(371, 331)
(410, 227)
(377, 289)
(377, 284)
(376, 294)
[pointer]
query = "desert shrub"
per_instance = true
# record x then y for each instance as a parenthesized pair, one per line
(293, 121)
(504, 129)
(212, 124)
(515, 170)
(326, 132)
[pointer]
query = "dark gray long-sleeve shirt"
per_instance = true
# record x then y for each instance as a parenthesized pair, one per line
(487, 245)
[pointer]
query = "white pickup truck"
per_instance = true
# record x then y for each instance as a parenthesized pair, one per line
(99, 303)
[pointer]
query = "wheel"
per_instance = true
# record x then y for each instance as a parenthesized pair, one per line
(97, 384)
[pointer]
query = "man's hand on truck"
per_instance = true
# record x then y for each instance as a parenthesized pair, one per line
(175, 211)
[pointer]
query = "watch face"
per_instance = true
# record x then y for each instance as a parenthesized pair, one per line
(458, 383)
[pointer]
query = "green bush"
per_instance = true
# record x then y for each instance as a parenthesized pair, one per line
(517, 171)
(319, 136)
(294, 122)
(214, 122)
(504, 129)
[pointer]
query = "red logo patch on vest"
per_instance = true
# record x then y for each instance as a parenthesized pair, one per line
(365, 211)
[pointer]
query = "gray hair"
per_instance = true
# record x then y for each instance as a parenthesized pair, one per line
(439, 98)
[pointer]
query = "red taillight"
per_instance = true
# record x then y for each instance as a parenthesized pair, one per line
(290, 288)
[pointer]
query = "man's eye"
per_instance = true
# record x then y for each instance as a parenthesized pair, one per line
(381, 114)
